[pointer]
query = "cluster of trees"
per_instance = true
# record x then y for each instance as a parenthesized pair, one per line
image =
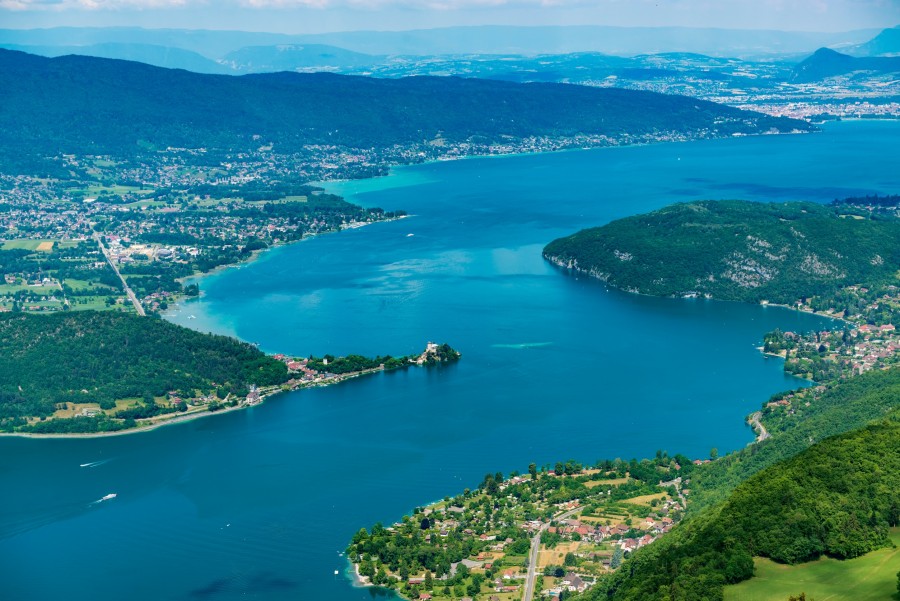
(838, 497)
(79, 425)
(736, 250)
(254, 191)
(443, 354)
(92, 356)
(353, 363)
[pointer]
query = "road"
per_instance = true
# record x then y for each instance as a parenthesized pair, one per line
(533, 555)
(128, 291)
(761, 431)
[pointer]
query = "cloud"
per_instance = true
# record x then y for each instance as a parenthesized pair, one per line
(91, 5)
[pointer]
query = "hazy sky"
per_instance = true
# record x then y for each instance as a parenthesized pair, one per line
(313, 16)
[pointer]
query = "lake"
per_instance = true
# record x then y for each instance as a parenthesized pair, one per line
(259, 503)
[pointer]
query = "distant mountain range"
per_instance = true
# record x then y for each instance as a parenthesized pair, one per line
(828, 63)
(83, 104)
(886, 43)
(625, 41)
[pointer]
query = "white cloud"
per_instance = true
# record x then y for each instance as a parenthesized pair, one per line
(90, 5)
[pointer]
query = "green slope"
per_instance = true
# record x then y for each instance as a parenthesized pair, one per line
(839, 498)
(90, 356)
(82, 104)
(736, 250)
(872, 577)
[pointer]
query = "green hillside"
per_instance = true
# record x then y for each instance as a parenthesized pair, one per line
(838, 498)
(99, 357)
(737, 250)
(79, 104)
(872, 577)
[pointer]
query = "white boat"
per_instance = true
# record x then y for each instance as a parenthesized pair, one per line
(111, 495)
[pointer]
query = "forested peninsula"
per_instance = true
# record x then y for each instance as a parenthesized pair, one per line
(89, 372)
(738, 250)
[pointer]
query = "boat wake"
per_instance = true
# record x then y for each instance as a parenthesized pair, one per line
(108, 497)
(523, 345)
(95, 463)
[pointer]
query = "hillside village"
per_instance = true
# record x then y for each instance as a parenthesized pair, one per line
(539, 535)
(868, 339)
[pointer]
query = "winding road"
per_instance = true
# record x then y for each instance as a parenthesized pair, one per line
(761, 432)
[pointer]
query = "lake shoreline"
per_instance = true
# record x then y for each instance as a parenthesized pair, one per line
(426, 358)
(180, 419)
(559, 263)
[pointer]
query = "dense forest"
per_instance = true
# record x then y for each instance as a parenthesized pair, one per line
(737, 250)
(86, 105)
(838, 497)
(92, 356)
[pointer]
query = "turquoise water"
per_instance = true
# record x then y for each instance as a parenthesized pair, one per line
(258, 503)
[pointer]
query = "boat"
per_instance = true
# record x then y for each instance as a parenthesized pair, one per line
(111, 495)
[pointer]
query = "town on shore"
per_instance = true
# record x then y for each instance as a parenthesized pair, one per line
(551, 531)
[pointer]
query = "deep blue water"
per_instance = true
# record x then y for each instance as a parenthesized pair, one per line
(257, 504)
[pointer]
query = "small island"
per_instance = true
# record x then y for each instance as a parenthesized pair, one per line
(90, 372)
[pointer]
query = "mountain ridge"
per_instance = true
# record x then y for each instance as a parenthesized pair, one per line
(76, 104)
(489, 39)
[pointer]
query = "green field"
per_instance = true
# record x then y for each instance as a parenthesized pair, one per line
(872, 577)
(25, 244)
(79, 285)
(48, 245)
(13, 288)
